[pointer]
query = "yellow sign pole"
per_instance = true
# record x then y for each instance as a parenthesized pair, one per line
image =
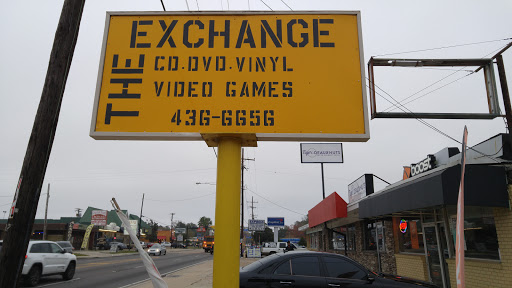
(226, 259)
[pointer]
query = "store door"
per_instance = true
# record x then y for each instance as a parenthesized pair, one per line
(435, 245)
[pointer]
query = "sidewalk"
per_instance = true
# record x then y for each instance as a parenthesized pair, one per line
(197, 276)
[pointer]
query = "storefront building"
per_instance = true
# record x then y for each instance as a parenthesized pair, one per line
(408, 228)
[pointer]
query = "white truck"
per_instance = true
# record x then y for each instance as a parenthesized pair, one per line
(269, 248)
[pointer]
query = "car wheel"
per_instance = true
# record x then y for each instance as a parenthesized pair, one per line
(165, 253)
(34, 275)
(273, 252)
(70, 271)
(160, 253)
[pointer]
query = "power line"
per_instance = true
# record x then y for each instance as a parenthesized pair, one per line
(432, 84)
(197, 3)
(432, 91)
(276, 203)
(161, 1)
(188, 8)
(426, 123)
(266, 5)
(444, 47)
(287, 5)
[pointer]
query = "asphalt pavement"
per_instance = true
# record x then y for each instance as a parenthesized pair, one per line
(198, 276)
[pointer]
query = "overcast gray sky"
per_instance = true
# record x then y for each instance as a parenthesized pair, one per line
(86, 172)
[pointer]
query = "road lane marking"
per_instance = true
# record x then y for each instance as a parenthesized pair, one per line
(163, 274)
(57, 283)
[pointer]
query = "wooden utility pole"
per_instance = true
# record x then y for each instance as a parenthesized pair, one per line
(140, 218)
(26, 198)
(46, 214)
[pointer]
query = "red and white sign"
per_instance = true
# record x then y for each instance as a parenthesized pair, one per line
(99, 217)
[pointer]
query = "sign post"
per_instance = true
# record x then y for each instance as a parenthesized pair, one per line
(231, 79)
(226, 258)
(321, 153)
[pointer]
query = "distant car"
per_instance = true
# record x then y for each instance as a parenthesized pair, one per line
(178, 245)
(120, 245)
(45, 258)
(149, 244)
(317, 269)
(143, 244)
(157, 249)
(66, 245)
(166, 244)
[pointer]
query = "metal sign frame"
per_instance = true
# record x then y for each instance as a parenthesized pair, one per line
(490, 85)
(199, 135)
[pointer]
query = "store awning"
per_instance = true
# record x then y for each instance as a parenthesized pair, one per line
(484, 186)
(332, 207)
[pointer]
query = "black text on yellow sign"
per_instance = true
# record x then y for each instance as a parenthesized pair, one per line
(284, 76)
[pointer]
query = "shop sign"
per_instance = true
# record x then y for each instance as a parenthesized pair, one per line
(275, 221)
(99, 217)
(180, 230)
(256, 225)
(424, 165)
(284, 76)
(360, 188)
(321, 152)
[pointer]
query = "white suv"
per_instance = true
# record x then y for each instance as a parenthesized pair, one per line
(47, 258)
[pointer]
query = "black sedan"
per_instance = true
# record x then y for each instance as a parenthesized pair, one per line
(317, 269)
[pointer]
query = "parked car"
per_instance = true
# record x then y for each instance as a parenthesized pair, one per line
(66, 245)
(45, 258)
(270, 248)
(120, 245)
(157, 249)
(317, 269)
(178, 245)
(149, 244)
(143, 244)
(166, 244)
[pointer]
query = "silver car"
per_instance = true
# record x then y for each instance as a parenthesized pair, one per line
(157, 249)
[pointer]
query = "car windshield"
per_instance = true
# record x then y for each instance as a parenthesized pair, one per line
(64, 244)
(156, 246)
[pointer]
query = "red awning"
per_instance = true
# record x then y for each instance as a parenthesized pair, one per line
(332, 207)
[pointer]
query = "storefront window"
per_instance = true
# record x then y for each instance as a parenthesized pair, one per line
(480, 236)
(374, 234)
(338, 240)
(342, 236)
(313, 240)
(409, 233)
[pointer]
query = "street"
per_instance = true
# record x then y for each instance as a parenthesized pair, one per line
(124, 271)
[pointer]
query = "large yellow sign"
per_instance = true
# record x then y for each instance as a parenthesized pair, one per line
(281, 76)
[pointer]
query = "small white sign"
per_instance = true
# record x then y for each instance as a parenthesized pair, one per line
(253, 253)
(179, 238)
(256, 225)
(321, 152)
(180, 230)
